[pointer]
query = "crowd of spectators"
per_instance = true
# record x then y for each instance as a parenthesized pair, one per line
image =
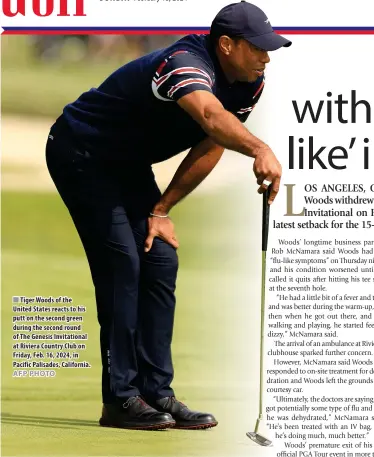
(49, 48)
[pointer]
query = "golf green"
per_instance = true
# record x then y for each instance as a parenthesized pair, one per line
(215, 332)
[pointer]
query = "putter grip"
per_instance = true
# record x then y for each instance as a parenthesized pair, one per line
(265, 218)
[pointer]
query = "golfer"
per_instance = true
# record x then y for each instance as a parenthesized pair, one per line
(192, 95)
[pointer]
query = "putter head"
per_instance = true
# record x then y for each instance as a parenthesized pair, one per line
(259, 439)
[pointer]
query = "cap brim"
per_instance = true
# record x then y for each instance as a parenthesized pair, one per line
(269, 41)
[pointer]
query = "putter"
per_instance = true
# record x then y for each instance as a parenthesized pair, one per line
(255, 436)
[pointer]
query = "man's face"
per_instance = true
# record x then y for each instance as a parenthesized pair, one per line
(246, 61)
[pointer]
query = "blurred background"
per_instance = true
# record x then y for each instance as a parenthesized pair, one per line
(216, 334)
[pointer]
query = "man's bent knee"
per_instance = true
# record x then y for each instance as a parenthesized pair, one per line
(161, 255)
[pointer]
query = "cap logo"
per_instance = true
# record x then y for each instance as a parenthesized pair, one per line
(267, 21)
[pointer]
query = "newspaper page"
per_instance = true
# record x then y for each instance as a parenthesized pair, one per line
(320, 314)
(272, 346)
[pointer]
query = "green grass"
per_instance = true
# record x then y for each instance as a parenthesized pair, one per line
(43, 89)
(41, 255)
(39, 223)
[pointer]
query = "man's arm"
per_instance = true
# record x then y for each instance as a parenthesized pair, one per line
(226, 130)
(196, 166)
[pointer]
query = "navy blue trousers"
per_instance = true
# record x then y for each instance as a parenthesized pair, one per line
(134, 290)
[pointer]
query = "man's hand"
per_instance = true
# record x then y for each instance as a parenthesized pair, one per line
(267, 168)
(226, 130)
(163, 228)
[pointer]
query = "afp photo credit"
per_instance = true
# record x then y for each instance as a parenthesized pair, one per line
(137, 146)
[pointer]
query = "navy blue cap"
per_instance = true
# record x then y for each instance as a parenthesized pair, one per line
(245, 20)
